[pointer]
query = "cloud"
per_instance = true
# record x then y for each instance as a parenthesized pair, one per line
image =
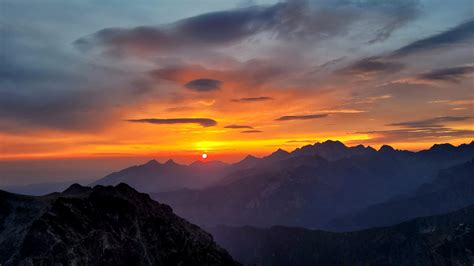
(205, 122)
(238, 126)
(461, 34)
(253, 99)
(416, 134)
(204, 85)
(432, 122)
(370, 66)
(298, 20)
(301, 117)
(251, 131)
(453, 74)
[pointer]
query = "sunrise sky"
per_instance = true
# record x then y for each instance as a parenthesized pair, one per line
(176, 78)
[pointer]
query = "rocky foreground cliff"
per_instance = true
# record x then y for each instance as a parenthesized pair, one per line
(100, 226)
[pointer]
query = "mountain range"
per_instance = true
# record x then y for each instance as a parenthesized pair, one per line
(100, 226)
(303, 188)
(452, 189)
(435, 240)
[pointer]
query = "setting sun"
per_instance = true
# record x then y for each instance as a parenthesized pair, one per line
(204, 156)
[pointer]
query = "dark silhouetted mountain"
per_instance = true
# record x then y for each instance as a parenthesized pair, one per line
(100, 226)
(309, 190)
(452, 189)
(154, 176)
(37, 189)
(276, 156)
(436, 240)
(332, 150)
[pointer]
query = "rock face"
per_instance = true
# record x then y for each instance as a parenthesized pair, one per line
(100, 226)
(436, 240)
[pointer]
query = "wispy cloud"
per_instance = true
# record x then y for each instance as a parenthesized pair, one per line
(253, 99)
(453, 74)
(238, 126)
(204, 85)
(370, 66)
(432, 122)
(205, 122)
(460, 34)
(301, 117)
(251, 131)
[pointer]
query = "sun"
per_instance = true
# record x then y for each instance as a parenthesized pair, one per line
(204, 155)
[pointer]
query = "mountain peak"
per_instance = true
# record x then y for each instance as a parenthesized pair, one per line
(386, 148)
(152, 162)
(442, 147)
(333, 143)
(170, 162)
(76, 189)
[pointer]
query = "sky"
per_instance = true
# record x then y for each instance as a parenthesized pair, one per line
(104, 81)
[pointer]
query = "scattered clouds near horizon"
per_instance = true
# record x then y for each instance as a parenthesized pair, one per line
(426, 129)
(205, 122)
(251, 131)
(253, 99)
(238, 126)
(301, 117)
(204, 85)
(432, 122)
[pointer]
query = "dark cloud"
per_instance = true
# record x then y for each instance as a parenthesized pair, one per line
(454, 74)
(253, 99)
(238, 126)
(251, 131)
(301, 117)
(204, 85)
(289, 20)
(371, 65)
(215, 28)
(461, 34)
(437, 122)
(416, 134)
(205, 122)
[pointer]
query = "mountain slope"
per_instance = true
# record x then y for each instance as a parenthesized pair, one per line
(435, 240)
(100, 226)
(452, 189)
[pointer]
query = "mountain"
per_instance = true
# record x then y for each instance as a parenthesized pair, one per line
(436, 240)
(332, 150)
(155, 177)
(41, 188)
(452, 189)
(309, 190)
(100, 226)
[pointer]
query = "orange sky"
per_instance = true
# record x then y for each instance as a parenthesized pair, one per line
(361, 75)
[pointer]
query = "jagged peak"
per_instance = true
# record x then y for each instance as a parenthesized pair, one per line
(333, 142)
(170, 162)
(75, 189)
(386, 148)
(152, 162)
(442, 146)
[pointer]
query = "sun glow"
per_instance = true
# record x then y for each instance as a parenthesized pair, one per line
(204, 156)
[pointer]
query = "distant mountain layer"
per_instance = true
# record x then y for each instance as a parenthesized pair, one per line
(100, 226)
(452, 189)
(435, 240)
(155, 177)
(305, 189)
